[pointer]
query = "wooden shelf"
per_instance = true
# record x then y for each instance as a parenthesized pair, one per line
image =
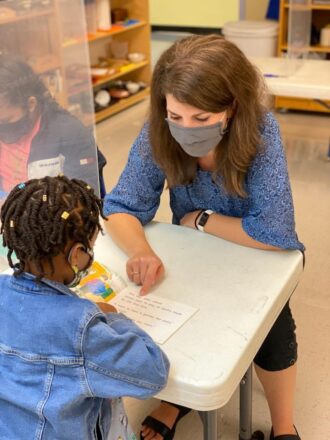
(29, 16)
(109, 78)
(300, 104)
(320, 17)
(309, 6)
(298, 7)
(316, 48)
(320, 7)
(115, 30)
(137, 37)
(121, 105)
(52, 64)
(319, 48)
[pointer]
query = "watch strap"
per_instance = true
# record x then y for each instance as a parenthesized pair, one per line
(203, 218)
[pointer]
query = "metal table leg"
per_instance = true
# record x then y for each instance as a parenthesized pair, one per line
(209, 418)
(245, 407)
(210, 428)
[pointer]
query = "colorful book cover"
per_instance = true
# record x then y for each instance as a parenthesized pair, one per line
(100, 285)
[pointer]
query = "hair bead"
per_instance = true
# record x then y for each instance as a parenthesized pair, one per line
(65, 215)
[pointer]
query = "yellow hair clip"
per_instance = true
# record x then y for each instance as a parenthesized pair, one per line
(11, 224)
(65, 215)
(44, 198)
(88, 187)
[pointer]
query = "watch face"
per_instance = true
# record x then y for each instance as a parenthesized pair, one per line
(203, 219)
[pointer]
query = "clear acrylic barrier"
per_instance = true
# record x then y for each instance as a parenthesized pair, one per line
(299, 34)
(46, 100)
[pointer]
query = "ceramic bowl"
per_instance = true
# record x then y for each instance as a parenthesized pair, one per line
(132, 87)
(136, 57)
(102, 98)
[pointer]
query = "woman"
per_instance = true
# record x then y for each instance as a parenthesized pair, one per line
(37, 136)
(221, 154)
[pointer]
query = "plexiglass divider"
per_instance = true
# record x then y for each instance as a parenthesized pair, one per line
(46, 100)
(299, 34)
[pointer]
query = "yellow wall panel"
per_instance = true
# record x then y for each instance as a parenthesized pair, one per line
(255, 9)
(196, 13)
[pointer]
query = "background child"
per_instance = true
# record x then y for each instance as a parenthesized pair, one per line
(61, 357)
(37, 136)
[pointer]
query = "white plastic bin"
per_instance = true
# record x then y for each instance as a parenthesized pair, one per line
(254, 38)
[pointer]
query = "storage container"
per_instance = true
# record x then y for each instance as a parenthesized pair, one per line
(254, 38)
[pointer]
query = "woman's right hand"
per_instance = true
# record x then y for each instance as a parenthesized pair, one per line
(145, 268)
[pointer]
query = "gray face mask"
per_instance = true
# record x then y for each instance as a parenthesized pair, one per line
(197, 141)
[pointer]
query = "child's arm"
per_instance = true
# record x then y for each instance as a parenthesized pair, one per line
(106, 307)
(121, 359)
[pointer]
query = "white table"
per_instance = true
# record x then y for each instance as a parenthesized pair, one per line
(297, 78)
(239, 293)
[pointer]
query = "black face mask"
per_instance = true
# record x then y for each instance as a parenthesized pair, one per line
(12, 132)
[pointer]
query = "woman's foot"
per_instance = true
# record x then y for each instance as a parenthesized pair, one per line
(165, 413)
(291, 435)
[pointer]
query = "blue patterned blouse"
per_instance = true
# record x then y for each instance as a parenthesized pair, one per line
(267, 212)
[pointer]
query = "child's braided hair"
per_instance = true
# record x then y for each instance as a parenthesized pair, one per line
(40, 217)
(18, 83)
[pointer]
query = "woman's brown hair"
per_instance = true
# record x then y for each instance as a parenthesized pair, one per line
(211, 74)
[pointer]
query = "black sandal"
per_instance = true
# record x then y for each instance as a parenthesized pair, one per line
(160, 427)
(284, 436)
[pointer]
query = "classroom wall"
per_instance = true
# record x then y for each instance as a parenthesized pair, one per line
(207, 13)
(255, 9)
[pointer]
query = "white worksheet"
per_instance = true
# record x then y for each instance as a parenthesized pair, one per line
(159, 317)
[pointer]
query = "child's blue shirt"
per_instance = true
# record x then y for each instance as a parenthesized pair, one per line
(267, 211)
(61, 359)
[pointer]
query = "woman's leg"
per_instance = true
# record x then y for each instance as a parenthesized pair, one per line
(276, 368)
(279, 387)
(165, 413)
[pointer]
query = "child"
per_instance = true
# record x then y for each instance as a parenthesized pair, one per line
(37, 136)
(63, 357)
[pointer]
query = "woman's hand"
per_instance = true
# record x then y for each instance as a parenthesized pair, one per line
(107, 308)
(189, 219)
(145, 268)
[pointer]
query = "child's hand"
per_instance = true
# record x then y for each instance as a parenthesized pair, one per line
(107, 308)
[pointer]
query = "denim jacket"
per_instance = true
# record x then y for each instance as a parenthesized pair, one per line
(61, 358)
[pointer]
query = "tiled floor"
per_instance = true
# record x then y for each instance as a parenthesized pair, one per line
(306, 138)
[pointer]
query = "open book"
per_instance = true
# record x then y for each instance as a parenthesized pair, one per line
(156, 315)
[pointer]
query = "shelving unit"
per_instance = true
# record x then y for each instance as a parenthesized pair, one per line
(320, 17)
(27, 16)
(53, 40)
(138, 36)
(122, 104)
(37, 31)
